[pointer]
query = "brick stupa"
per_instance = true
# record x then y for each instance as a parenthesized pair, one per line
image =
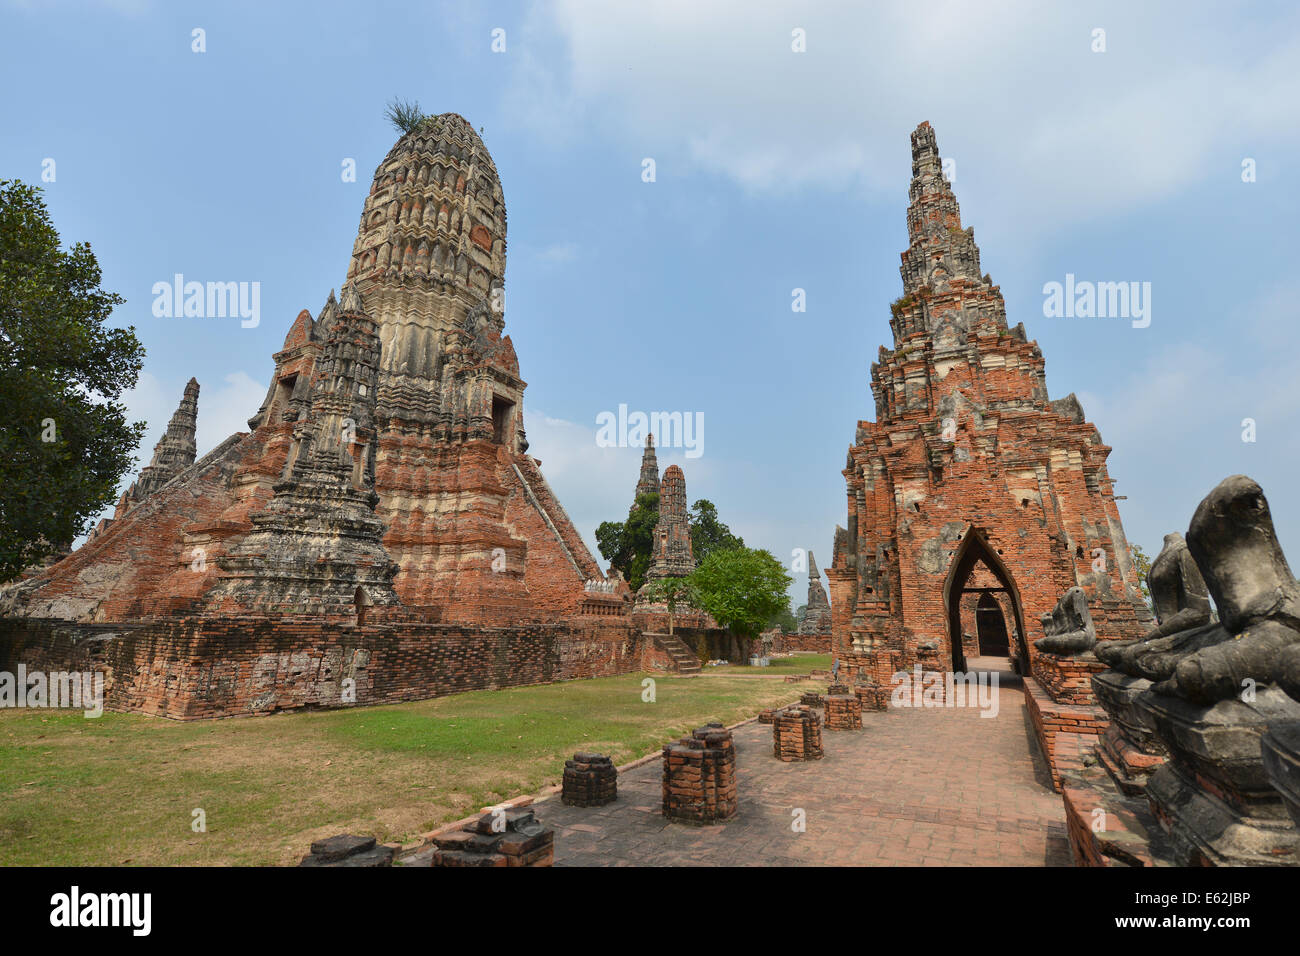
(970, 480)
(380, 533)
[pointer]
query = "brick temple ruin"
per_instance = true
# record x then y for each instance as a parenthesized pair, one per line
(974, 500)
(380, 530)
(672, 556)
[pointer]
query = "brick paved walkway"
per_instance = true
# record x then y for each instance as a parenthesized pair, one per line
(927, 787)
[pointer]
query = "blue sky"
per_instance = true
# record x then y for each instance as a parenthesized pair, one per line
(775, 170)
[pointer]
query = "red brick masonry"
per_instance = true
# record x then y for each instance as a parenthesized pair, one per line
(189, 668)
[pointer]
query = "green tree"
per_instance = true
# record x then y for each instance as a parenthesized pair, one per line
(708, 534)
(405, 116)
(785, 620)
(743, 588)
(65, 441)
(672, 592)
(1142, 564)
(628, 545)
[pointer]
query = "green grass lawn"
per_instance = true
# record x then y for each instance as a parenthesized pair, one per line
(798, 664)
(121, 789)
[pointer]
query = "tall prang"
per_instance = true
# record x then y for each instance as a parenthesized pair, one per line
(474, 531)
(648, 482)
(970, 478)
(817, 613)
(173, 454)
(672, 556)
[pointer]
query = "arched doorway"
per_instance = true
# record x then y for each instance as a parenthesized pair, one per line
(997, 594)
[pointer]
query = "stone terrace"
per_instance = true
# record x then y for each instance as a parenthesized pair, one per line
(929, 787)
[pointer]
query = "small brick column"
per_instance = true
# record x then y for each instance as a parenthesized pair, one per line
(797, 734)
(811, 699)
(700, 776)
(872, 696)
(767, 716)
(838, 690)
(843, 712)
(590, 780)
(498, 838)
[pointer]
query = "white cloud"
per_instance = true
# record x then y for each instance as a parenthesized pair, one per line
(1014, 91)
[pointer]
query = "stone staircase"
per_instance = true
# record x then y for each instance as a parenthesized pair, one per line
(684, 659)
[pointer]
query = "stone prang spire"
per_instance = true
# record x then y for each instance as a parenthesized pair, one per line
(648, 484)
(817, 616)
(672, 556)
(174, 452)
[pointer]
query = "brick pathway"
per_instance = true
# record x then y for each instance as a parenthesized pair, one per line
(914, 787)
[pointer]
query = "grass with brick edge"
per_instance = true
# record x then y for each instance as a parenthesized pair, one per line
(783, 666)
(122, 788)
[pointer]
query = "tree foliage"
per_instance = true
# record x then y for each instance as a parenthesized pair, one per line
(628, 545)
(785, 620)
(708, 534)
(672, 592)
(65, 441)
(743, 588)
(403, 115)
(1142, 564)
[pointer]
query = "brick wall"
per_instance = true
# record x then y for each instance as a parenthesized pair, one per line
(197, 667)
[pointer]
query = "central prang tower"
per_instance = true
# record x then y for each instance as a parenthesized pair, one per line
(970, 479)
(429, 261)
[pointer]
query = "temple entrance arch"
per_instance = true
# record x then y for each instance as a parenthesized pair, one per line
(997, 594)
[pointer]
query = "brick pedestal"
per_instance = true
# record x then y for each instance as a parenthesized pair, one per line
(811, 700)
(348, 850)
(767, 716)
(700, 777)
(590, 780)
(505, 838)
(872, 696)
(797, 734)
(838, 690)
(843, 712)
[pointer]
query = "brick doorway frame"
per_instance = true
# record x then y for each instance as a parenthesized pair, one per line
(974, 548)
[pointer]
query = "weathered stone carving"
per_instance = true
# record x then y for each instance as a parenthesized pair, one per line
(817, 615)
(1068, 627)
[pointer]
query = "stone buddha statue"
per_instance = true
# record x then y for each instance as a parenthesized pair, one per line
(1182, 605)
(1234, 544)
(1068, 628)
